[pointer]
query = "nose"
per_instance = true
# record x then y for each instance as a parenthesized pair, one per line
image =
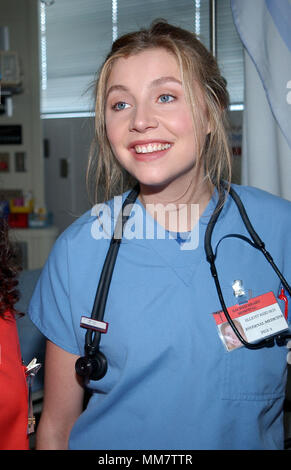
(142, 119)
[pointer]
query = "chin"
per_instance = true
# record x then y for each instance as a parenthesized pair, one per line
(154, 183)
(154, 177)
(161, 181)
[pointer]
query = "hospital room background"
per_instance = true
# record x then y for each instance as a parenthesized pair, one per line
(50, 51)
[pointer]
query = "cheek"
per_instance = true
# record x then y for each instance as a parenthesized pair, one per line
(112, 132)
(114, 136)
(183, 123)
(182, 126)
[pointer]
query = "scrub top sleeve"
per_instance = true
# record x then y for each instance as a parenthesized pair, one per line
(50, 308)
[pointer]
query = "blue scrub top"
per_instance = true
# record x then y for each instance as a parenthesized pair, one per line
(170, 384)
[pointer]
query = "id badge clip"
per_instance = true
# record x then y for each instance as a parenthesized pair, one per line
(30, 372)
(239, 292)
(255, 319)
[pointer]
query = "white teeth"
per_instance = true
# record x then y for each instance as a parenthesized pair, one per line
(151, 148)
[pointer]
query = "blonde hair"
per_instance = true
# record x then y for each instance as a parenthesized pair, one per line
(197, 65)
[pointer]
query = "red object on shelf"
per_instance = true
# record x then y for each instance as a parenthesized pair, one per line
(18, 220)
(236, 151)
(3, 166)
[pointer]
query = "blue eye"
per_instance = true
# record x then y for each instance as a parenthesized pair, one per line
(120, 106)
(166, 98)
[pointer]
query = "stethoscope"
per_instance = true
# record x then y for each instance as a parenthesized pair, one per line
(93, 365)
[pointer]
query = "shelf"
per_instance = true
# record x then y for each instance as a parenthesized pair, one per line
(10, 90)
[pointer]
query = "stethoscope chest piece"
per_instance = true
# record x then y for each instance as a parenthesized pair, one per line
(92, 367)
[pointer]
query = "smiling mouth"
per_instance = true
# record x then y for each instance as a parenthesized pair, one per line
(150, 148)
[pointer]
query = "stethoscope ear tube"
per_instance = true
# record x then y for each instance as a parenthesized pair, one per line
(256, 239)
(108, 267)
(208, 233)
(93, 365)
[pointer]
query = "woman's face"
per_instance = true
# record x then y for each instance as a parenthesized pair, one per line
(231, 337)
(148, 122)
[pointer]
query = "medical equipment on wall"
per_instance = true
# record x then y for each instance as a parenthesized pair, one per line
(93, 366)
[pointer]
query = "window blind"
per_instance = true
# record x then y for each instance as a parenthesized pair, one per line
(76, 35)
(230, 52)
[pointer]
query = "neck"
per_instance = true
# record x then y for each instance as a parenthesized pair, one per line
(177, 209)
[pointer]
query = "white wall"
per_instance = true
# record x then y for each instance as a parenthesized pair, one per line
(22, 19)
(69, 139)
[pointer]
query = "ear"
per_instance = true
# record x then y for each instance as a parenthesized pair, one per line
(208, 131)
(208, 126)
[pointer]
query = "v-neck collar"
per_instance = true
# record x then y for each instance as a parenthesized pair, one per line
(182, 260)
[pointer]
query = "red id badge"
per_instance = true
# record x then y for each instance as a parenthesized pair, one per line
(256, 319)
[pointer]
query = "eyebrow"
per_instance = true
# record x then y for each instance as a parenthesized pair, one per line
(163, 80)
(153, 84)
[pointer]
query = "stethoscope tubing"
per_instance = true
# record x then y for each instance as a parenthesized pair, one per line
(92, 342)
(107, 272)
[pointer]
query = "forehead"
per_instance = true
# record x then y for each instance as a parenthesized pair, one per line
(144, 66)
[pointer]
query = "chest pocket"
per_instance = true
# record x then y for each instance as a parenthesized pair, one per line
(254, 374)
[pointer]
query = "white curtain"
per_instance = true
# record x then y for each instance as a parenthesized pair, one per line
(266, 161)
(264, 27)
